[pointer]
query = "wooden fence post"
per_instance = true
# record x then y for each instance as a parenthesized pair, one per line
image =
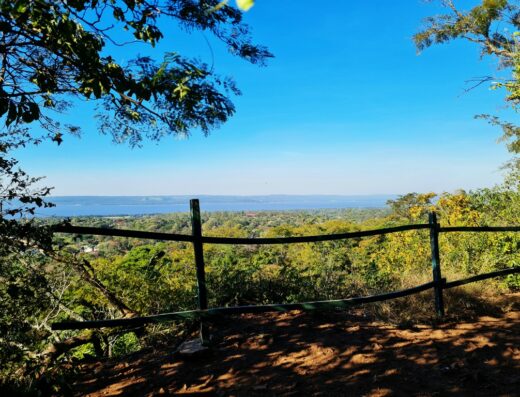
(436, 264)
(202, 296)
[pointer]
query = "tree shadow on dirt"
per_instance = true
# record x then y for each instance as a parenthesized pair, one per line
(326, 354)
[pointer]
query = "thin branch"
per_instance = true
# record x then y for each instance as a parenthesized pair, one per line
(479, 81)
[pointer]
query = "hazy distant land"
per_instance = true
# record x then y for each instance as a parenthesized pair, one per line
(67, 206)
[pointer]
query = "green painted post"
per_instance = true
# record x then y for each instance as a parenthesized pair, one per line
(196, 230)
(436, 263)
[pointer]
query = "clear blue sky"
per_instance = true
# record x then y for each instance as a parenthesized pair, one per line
(346, 107)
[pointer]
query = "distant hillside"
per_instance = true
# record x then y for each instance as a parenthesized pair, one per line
(139, 205)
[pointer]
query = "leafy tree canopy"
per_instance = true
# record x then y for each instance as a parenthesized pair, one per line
(52, 52)
(493, 25)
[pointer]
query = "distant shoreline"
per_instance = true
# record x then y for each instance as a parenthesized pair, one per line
(68, 206)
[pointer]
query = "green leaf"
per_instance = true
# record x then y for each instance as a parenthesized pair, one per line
(21, 7)
(245, 5)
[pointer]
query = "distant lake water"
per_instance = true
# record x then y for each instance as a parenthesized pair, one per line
(68, 206)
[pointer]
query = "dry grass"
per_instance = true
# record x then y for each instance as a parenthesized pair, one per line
(467, 302)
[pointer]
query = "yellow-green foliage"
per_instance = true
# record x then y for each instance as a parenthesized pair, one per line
(152, 278)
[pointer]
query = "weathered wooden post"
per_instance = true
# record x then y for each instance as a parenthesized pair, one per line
(202, 296)
(436, 264)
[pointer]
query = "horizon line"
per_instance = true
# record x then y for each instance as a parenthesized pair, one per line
(227, 195)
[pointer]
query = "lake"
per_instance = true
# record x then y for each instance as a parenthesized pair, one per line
(68, 206)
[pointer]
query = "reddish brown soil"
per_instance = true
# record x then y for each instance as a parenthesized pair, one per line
(303, 354)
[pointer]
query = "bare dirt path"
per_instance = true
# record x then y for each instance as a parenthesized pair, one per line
(304, 354)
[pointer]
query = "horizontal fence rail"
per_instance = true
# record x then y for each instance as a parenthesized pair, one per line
(480, 277)
(101, 231)
(447, 229)
(312, 239)
(231, 240)
(204, 313)
(219, 311)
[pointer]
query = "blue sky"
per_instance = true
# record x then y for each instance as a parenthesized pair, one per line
(345, 107)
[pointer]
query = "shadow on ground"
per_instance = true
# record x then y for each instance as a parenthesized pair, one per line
(334, 354)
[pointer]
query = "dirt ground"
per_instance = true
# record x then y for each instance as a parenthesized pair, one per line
(334, 354)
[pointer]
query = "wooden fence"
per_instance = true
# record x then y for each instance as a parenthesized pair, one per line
(438, 283)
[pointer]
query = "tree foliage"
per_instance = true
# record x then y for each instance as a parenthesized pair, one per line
(56, 51)
(97, 277)
(53, 50)
(494, 26)
(53, 53)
